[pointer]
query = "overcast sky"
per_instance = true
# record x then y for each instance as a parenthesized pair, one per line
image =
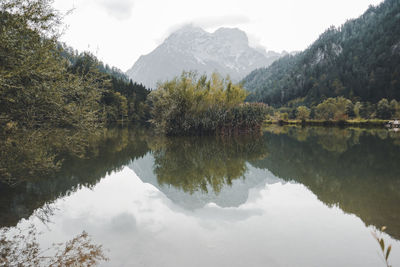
(119, 31)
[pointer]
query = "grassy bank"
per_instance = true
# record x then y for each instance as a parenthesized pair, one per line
(353, 122)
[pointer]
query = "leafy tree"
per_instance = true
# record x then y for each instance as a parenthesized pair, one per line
(35, 86)
(350, 109)
(116, 106)
(383, 110)
(303, 113)
(44, 83)
(367, 110)
(333, 108)
(357, 108)
(394, 108)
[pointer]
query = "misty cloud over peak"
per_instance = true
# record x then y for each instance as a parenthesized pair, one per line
(119, 9)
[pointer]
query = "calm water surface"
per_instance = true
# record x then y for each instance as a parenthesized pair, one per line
(291, 197)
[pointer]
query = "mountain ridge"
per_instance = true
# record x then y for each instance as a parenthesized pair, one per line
(360, 60)
(226, 51)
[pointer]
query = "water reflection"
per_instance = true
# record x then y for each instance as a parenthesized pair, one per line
(74, 159)
(193, 164)
(338, 165)
(215, 187)
(232, 195)
(278, 225)
(356, 169)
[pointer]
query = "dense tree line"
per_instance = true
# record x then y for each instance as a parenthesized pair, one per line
(359, 60)
(43, 84)
(189, 105)
(339, 108)
(124, 99)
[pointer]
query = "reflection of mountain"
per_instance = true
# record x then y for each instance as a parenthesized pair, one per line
(363, 179)
(229, 196)
(194, 171)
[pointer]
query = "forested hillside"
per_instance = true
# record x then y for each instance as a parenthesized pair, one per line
(359, 60)
(123, 99)
(42, 83)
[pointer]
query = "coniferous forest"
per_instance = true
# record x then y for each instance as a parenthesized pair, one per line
(359, 61)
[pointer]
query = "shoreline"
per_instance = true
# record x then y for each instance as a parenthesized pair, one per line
(372, 123)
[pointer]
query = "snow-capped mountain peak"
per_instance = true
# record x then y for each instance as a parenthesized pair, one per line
(191, 48)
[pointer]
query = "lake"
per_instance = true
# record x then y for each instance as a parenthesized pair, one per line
(292, 196)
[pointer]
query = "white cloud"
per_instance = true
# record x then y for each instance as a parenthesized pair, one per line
(255, 41)
(207, 23)
(216, 22)
(119, 9)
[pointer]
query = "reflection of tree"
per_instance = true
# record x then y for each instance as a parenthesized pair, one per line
(193, 164)
(363, 179)
(333, 139)
(45, 213)
(33, 155)
(23, 249)
(27, 155)
(74, 159)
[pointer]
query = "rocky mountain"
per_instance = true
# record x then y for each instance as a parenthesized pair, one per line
(226, 51)
(360, 60)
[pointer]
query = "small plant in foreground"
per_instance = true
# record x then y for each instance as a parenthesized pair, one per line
(385, 250)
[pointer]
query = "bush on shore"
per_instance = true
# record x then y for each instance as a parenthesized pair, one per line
(189, 105)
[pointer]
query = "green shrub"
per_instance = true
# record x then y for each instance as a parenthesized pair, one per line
(189, 105)
(302, 113)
